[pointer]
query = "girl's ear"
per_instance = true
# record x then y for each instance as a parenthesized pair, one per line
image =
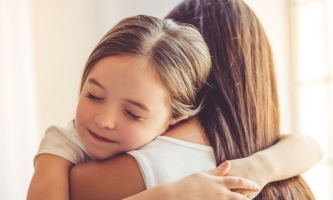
(174, 121)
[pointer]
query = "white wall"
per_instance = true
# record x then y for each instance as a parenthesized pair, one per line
(110, 12)
(64, 34)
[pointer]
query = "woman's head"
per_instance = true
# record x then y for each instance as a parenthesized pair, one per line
(241, 114)
(142, 77)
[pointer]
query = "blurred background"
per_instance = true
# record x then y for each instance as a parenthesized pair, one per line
(45, 44)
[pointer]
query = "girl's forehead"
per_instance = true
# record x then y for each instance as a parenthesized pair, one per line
(118, 61)
(130, 63)
(125, 70)
(128, 78)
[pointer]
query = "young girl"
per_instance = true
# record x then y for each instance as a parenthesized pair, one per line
(140, 80)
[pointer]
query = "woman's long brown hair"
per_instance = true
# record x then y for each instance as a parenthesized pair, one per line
(241, 111)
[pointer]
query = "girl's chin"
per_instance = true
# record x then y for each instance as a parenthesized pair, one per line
(100, 155)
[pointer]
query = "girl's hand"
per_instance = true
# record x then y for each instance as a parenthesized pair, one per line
(214, 185)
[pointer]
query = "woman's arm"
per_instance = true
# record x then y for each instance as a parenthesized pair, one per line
(50, 179)
(207, 185)
(115, 178)
(120, 177)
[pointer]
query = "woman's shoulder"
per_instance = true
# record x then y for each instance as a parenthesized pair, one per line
(189, 131)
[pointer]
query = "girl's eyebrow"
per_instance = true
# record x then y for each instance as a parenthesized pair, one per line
(95, 82)
(140, 105)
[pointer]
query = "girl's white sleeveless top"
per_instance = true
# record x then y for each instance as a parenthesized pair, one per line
(167, 159)
(163, 160)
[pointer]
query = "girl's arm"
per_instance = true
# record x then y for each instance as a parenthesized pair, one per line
(292, 155)
(50, 179)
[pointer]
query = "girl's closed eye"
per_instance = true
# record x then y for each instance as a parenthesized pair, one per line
(94, 98)
(133, 116)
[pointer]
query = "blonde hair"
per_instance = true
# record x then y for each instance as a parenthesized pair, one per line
(177, 53)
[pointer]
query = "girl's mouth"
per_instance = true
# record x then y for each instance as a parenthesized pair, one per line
(99, 138)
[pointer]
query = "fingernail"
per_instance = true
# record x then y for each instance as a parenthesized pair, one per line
(257, 186)
(225, 162)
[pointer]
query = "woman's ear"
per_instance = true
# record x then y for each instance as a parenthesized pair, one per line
(174, 121)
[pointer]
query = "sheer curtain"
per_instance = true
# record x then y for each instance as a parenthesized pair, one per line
(313, 84)
(18, 113)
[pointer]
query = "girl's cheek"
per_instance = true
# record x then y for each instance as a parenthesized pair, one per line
(137, 138)
(130, 135)
(83, 109)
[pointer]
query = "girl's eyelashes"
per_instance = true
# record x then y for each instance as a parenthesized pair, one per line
(94, 98)
(130, 114)
(133, 116)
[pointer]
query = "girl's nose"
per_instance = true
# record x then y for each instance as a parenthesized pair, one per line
(105, 119)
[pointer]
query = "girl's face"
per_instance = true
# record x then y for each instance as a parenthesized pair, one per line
(122, 107)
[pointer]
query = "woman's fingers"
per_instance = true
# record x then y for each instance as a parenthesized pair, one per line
(228, 184)
(237, 196)
(221, 170)
(233, 182)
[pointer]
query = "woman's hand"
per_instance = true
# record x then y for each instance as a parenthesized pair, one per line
(214, 185)
(250, 169)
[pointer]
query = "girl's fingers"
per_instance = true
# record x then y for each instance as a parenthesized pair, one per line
(221, 170)
(233, 182)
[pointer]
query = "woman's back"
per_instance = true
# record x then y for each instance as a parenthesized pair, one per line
(241, 111)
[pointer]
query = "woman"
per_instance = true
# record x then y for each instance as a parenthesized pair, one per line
(244, 86)
(240, 115)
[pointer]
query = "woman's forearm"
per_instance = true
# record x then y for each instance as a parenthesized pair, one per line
(116, 178)
(202, 185)
(162, 192)
(120, 178)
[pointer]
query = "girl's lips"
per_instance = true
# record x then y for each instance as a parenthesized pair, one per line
(99, 138)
